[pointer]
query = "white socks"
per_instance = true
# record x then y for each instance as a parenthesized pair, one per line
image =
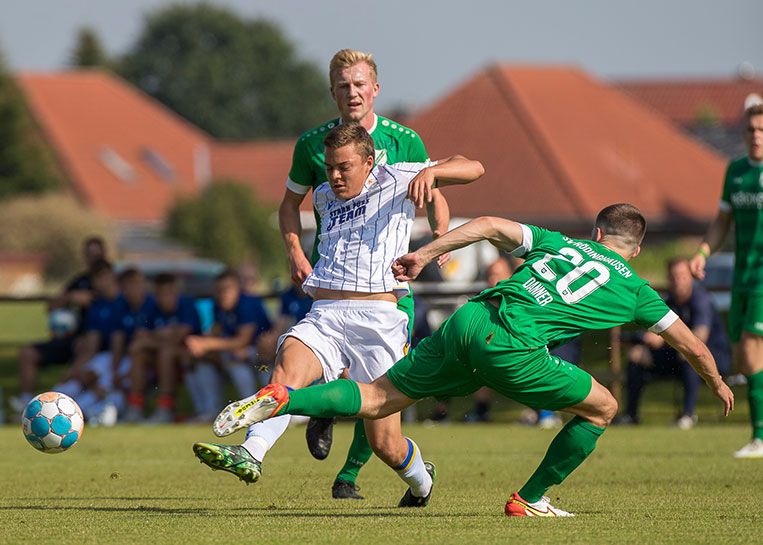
(261, 437)
(413, 472)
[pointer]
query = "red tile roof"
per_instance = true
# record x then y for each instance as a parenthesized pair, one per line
(264, 166)
(94, 119)
(687, 101)
(558, 145)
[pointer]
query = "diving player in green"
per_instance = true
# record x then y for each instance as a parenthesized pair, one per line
(500, 339)
(742, 204)
(354, 86)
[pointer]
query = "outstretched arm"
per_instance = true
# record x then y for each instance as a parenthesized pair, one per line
(451, 171)
(502, 233)
(712, 242)
(680, 337)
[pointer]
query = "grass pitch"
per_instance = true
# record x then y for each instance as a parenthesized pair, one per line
(143, 485)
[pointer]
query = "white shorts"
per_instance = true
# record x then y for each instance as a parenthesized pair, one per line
(101, 366)
(367, 337)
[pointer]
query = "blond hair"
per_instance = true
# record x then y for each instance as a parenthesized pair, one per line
(350, 57)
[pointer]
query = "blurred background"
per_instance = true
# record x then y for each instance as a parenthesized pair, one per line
(167, 129)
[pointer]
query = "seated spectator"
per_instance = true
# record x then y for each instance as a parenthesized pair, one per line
(651, 357)
(230, 345)
(66, 322)
(91, 377)
(162, 346)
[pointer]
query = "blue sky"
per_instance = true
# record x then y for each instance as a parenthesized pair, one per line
(424, 48)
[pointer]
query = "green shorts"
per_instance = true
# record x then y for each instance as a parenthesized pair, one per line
(406, 305)
(472, 349)
(745, 314)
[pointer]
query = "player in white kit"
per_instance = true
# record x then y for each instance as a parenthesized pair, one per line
(366, 215)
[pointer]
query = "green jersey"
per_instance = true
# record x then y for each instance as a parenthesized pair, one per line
(567, 286)
(743, 197)
(393, 142)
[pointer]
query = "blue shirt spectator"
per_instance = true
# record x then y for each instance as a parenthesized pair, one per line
(185, 313)
(103, 317)
(131, 319)
(295, 304)
(249, 309)
(698, 311)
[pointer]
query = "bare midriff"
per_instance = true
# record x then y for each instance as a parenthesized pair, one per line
(323, 293)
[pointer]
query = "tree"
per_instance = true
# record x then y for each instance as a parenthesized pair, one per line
(25, 165)
(88, 51)
(226, 222)
(233, 77)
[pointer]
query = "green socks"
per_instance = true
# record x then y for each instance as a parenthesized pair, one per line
(755, 397)
(566, 452)
(335, 398)
(359, 454)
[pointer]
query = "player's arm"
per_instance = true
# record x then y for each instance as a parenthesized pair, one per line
(712, 241)
(680, 337)
(454, 170)
(502, 233)
(291, 230)
(438, 215)
(201, 345)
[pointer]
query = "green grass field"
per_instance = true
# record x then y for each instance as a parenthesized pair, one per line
(139, 485)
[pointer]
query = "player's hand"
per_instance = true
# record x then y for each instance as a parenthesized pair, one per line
(721, 390)
(299, 267)
(408, 267)
(697, 266)
(443, 259)
(420, 188)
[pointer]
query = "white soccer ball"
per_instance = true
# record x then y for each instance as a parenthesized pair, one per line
(52, 422)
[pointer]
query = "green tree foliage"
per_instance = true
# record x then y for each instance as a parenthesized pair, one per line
(88, 51)
(226, 222)
(233, 77)
(25, 165)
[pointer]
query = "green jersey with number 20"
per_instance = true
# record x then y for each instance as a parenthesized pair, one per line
(393, 143)
(567, 286)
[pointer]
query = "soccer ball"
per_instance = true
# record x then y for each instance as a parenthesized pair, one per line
(62, 322)
(52, 422)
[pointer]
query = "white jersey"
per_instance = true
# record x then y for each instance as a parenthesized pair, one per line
(361, 237)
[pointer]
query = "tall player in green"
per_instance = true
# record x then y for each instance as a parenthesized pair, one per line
(742, 204)
(354, 86)
(500, 339)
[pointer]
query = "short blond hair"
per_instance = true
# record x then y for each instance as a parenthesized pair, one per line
(350, 57)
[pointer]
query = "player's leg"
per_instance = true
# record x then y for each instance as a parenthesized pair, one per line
(746, 332)
(296, 365)
(571, 446)
(377, 335)
(751, 365)
(402, 454)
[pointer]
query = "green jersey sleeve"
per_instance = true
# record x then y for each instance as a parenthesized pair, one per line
(301, 175)
(652, 312)
(725, 203)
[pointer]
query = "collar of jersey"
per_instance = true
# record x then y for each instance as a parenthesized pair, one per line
(752, 163)
(373, 127)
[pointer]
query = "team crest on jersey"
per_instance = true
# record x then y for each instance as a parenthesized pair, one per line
(737, 180)
(760, 179)
(381, 156)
